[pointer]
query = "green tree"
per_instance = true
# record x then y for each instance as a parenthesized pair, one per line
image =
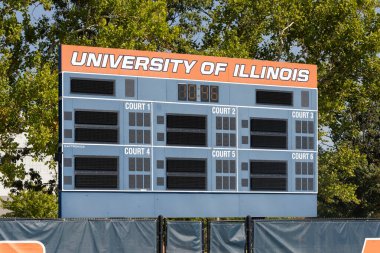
(343, 39)
(28, 106)
(29, 57)
(31, 204)
(134, 24)
(31, 198)
(337, 184)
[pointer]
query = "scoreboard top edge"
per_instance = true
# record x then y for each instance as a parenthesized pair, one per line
(110, 61)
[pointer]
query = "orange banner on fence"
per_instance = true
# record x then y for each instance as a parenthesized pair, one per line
(371, 245)
(21, 247)
(185, 66)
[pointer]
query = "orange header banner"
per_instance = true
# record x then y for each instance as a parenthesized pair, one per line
(185, 66)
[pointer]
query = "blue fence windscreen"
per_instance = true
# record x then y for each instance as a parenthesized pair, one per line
(323, 236)
(227, 237)
(184, 237)
(81, 236)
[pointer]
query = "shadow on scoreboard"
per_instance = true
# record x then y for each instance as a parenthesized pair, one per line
(190, 235)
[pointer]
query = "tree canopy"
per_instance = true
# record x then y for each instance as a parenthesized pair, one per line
(341, 37)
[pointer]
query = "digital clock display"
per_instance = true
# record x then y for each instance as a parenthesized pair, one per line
(190, 92)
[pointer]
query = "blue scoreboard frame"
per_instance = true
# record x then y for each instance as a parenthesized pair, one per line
(144, 134)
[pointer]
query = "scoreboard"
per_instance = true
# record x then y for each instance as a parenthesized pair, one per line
(144, 134)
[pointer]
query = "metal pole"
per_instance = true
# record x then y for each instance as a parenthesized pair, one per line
(248, 225)
(208, 236)
(159, 233)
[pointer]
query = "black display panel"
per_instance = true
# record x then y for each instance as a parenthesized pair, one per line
(186, 166)
(93, 87)
(96, 172)
(96, 163)
(186, 139)
(269, 133)
(186, 121)
(268, 125)
(186, 174)
(96, 135)
(270, 97)
(186, 130)
(268, 167)
(96, 181)
(268, 175)
(186, 183)
(268, 184)
(268, 142)
(96, 118)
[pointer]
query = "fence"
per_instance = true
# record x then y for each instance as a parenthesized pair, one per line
(187, 236)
